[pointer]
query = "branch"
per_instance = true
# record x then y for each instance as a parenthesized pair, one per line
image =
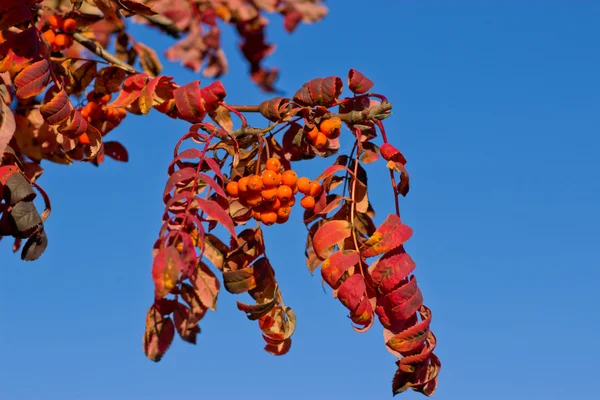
(376, 113)
(164, 24)
(102, 53)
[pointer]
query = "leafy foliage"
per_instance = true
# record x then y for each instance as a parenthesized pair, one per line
(62, 92)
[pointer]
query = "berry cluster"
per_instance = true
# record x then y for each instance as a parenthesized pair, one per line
(271, 194)
(328, 129)
(60, 32)
(97, 113)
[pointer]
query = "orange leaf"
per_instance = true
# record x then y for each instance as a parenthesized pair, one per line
(33, 80)
(329, 234)
(337, 264)
(389, 235)
(165, 270)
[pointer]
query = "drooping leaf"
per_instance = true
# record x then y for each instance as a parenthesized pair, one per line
(136, 7)
(391, 269)
(116, 151)
(389, 235)
(188, 100)
(35, 245)
(329, 234)
(189, 295)
(13, 12)
(33, 79)
(352, 291)
(413, 337)
(206, 285)
(158, 336)
(337, 264)
(358, 83)
(58, 109)
(186, 323)
(166, 268)
(320, 91)
(274, 109)
(7, 126)
(212, 95)
(217, 213)
(255, 311)
(404, 301)
(26, 216)
(239, 281)
(222, 116)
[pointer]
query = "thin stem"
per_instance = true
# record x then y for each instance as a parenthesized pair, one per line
(244, 108)
(353, 199)
(102, 53)
(236, 112)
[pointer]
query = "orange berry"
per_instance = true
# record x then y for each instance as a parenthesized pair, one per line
(256, 214)
(84, 112)
(284, 211)
(315, 189)
(63, 41)
(282, 220)
(304, 185)
(290, 202)
(94, 110)
(255, 183)
(69, 25)
(55, 21)
(270, 178)
(243, 185)
(307, 202)
(233, 189)
(268, 217)
(289, 178)
(321, 141)
(273, 164)
(105, 99)
(253, 199)
(331, 127)
(284, 193)
(50, 36)
(84, 139)
(272, 206)
(269, 194)
(312, 134)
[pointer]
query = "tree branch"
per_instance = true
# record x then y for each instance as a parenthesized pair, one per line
(164, 24)
(102, 53)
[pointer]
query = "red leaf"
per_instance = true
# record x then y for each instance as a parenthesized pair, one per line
(291, 19)
(77, 126)
(166, 267)
(337, 264)
(132, 89)
(389, 235)
(405, 301)
(181, 176)
(279, 349)
(331, 170)
(188, 99)
(33, 80)
(13, 12)
(212, 164)
(256, 311)
(136, 7)
(146, 99)
(213, 184)
(319, 91)
(390, 153)
(358, 83)
(116, 150)
(7, 126)
(412, 338)
(274, 109)
(6, 171)
(206, 285)
(213, 94)
(363, 314)
(186, 323)
(158, 337)
(217, 213)
(391, 269)
(352, 291)
(239, 281)
(329, 234)
(58, 109)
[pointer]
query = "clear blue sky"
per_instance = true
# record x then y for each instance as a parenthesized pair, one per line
(496, 107)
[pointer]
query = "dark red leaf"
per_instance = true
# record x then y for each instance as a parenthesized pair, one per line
(390, 153)
(274, 109)
(181, 176)
(389, 235)
(331, 170)
(7, 127)
(291, 19)
(213, 94)
(116, 150)
(352, 291)
(358, 83)
(186, 323)
(319, 91)
(33, 80)
(58, 109)
(158, 336)
(329, 234)
(213, 184)
(206, 285)
(188, 99)
(405, 301)
(166, 268)
(239, 281)
(76, 126)
(412, 338)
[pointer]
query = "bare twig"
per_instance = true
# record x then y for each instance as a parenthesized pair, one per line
(164, 24)
(101, 52)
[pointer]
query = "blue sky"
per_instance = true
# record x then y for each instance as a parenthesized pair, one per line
(496, 109)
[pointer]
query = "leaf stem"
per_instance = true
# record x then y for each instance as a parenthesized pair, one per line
(102, 53)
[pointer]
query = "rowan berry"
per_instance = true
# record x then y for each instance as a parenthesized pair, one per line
(284, 193)
(270, 178)
(284, 211)
(269, 194)
(268, 217)
(303, 185)
(233, 189)
(243, 185)
(63, 41)
(271, 206)
(253, 199)
(255, 183)
(312, 134)
(69, 25)
(321, 141)
(50, 36)
(273, 164)
(289, 178)
(55, 21)
(331, 127)
(307, 202)
(315, 189)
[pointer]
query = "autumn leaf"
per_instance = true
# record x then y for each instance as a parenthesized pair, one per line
(413, 337)
(337, 264)
(391, 269)
(7, 127)
(159, 334)
(319, 91)
(33, 79)
(206, 285)
(239, 281)
(329, 234)
(135, 7)
(116, 151)
(389, 235)
(188, 100)
(58, 109)
(358, 83)
(166, 268)
(217, 213)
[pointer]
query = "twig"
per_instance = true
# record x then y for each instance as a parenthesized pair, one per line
(165, 24)
(101, 52)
